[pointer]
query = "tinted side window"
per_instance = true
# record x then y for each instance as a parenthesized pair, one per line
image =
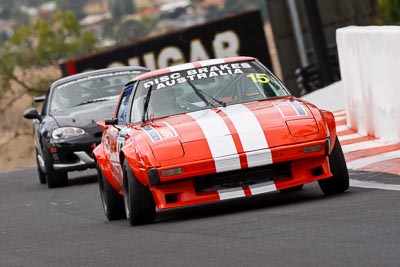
(123, 106)
(45, 103)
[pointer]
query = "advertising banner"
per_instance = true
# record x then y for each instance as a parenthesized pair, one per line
(237, 35)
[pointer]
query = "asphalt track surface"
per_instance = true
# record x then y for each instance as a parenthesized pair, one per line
(67, 227)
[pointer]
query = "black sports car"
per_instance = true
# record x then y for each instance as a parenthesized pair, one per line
(65, 133)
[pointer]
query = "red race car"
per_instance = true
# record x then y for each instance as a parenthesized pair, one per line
(212, 130)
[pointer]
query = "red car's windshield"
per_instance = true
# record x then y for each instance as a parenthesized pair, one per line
(204, 87)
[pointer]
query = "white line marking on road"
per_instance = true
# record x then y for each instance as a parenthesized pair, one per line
(339, 113)
(374, 185)
(361, 145)
(359, 163)
(341, 128)
(340, 118)
(350, 136)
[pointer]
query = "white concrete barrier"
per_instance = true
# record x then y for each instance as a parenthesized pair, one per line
(370, 69)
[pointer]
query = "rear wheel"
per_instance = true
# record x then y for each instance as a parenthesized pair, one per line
(113, 203)
(339, 182)
(54, 178)
(138, 201)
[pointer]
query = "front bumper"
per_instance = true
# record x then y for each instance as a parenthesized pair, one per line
(85, 161)
(186, 192)
(291, 167)
(72, 156)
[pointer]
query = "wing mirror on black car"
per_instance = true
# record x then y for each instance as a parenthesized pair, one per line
(32, 113)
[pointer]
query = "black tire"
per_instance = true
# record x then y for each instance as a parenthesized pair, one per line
(292, 189)
(41, 174)
(339, 182)
(113, 203)
(54, 179)
(138, 200)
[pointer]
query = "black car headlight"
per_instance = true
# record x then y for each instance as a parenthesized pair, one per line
(67, 132)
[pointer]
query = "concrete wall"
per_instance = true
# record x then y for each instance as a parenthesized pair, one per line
(370, 68)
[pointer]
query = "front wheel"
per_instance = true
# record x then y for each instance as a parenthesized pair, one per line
(138, 201)
(113, 203)
(41, 174)
(54, 178)
(339, 182)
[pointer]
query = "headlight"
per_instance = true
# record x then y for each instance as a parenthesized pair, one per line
(67, 132)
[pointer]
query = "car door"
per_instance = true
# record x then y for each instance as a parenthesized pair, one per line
(116, 134)
(39, 127)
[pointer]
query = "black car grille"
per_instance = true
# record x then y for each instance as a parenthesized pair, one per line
(242, 177)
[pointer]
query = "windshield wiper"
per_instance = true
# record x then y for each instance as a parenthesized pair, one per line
(96, 100)
(91, 101)
(146, 103)
(202, 95)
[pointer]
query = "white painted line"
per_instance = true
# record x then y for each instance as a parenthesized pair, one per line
(341, 128)
(340, 118)
(361, 145)
(350, 136)
(374, 185)
(69, 203)
(362, 162)
(339, 113)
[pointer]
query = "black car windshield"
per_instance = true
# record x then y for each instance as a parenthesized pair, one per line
(205, 87)
(89, 89)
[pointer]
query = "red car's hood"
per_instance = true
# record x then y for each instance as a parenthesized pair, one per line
(253, 126)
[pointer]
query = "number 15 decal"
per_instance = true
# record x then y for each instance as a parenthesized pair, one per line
(258, 77)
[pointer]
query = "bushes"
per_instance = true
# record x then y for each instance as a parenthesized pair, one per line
(388, 12)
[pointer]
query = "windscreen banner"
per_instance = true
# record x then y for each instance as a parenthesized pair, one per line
(236, 35)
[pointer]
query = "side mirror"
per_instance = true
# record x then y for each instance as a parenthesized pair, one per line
(32, 113)
(103, 124)
(113, 121)
(38, 99)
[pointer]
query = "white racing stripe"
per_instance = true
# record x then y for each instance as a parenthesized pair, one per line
(262, 188)
(181, 67)
(231, 193)
(220, 142)
(251, 135)
(212, 62)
